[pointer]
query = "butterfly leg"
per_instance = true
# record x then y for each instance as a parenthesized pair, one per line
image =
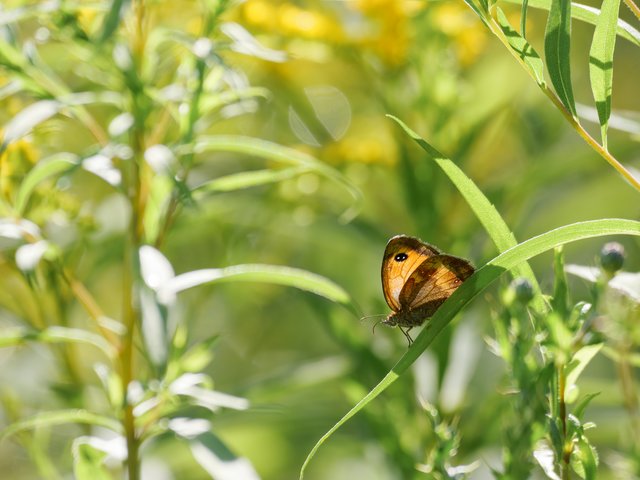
(406, 334)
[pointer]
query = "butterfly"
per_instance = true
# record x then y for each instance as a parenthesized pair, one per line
(416, 279)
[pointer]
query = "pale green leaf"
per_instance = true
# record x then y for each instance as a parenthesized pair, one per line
(601, 62)
(61, 417)
(274, 274)
(557, 48)
(524, 50)
(46, 168)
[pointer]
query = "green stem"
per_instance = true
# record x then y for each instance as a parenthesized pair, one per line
(565, 462)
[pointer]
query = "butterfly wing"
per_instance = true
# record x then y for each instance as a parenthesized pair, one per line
(402, 257)
(434, 280)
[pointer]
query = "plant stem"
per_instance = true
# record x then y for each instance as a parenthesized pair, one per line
(565, 462)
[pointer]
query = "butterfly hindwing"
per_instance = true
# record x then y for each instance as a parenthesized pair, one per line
(435, 279)
(402, 257)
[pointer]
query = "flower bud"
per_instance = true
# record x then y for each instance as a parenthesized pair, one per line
(523, 290)
(612, 257)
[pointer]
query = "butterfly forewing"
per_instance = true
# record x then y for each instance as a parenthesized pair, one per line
(402, 257)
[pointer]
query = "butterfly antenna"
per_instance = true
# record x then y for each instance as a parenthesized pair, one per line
(372, 316)
(373, 329)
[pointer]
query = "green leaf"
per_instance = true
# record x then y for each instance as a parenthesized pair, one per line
(219, 461)
(10, 337)
(155, 211)
(112, 19)
(579, 362)
(88, 461)
(583, 404)
(274, 274)
(475, 284)
(281, 154)
(238, 181)
(557, 47)
(28, 119)
(524, 50)
(590, 15)
(61, 417)
(601, 62)
(487, 214)
(49, 167)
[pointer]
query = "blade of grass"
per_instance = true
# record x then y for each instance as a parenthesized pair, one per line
(601, 62)
(475, 284)
(557, 49)
(487, 214)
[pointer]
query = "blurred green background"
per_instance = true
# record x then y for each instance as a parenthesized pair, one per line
(301, 360)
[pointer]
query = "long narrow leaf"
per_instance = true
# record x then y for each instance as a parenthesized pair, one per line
(557, 48)
(61, 417)
(12, 337)
(601, 62)
(487, 214)
(524, 50)
(480, 280)
(238, 181)
(281, 154)
(590, 15)
(54, 165)
(275, 274)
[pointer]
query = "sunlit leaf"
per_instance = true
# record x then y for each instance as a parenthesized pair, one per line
(601, 62)
(46, 168)
(590, 15)
(557, 47)
(274, 274)
(61, 417)
(242, 180)
(28, 119)
(524, 50)
(91, 453)
(220, 462)
(578, 363)
(14, 336)
(281, 154)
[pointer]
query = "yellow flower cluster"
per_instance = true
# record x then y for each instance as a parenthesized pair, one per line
(290, 20)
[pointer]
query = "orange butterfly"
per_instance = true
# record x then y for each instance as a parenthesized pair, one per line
(417, 278)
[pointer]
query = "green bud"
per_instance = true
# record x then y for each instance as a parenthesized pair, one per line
(612, 257)
(523, 290)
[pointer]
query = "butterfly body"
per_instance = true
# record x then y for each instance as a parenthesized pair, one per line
(417, 278)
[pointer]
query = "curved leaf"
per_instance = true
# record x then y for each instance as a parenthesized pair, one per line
(601, 62)
(60, 417)
(557, 49)
(281, 154)
(279, 275)
(49, 167)
(475, 284)
(11, 337)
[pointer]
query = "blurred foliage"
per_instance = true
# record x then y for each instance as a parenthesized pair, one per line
(146, 140)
